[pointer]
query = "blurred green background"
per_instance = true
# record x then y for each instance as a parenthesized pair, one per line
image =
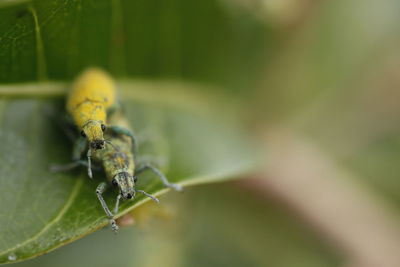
(316, 83)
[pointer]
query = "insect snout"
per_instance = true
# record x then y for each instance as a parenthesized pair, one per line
(97, 144)
(129, 195)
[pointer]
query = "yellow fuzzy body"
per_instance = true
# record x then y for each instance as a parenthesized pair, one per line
(91, 95)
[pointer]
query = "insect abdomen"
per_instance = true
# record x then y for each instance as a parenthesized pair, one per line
(90, 96)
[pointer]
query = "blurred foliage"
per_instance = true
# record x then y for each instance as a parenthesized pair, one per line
(338, 84)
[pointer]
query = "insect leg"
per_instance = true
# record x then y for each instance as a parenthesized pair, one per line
(101, 188)
(117, 204)
(121, 130)
(89, 166)
(78, 148)
(68, 167)
(160, 175)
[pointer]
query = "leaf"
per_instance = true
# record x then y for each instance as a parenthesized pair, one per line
(41, 211)
(203, 231)
(56, 39)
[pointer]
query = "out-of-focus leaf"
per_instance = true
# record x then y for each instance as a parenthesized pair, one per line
(185, 39)
(41, 210)
(214, 225)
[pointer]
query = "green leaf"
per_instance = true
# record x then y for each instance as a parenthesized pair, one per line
(56, 39)
(41, 210)
(214, 225)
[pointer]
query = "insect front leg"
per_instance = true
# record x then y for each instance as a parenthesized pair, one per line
(101, 188)
(160, 175)
(89, 161)
(68, 167)
(79, 147)
(117, 204)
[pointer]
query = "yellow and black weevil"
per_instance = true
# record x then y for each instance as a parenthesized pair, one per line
(91, 99)
(118, 163)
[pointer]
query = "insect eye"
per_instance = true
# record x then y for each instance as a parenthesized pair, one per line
(114, 182)
(103, 127)
(83, 133)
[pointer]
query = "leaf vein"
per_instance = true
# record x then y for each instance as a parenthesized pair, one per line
(40, 56)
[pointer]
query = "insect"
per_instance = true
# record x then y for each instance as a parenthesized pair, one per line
(91, 99)
(119, 165)
(91, 95)
(91, 103)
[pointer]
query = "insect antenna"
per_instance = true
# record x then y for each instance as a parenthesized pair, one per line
(109, 142)
(148, 195)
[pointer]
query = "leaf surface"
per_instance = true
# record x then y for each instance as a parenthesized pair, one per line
(41, 210)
